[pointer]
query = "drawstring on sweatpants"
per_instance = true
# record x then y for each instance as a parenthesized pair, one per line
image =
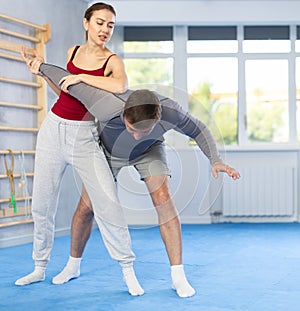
(59, 124)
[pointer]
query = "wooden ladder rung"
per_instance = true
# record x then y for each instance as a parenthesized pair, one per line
(18, 152)
(10, 211)
(17, 175)
(23, 106)
(20, 82)
(17, 199)
(11, 56)
(19, 129)
(19, 35)
(14, 47)
(19, 21)
(17, 222)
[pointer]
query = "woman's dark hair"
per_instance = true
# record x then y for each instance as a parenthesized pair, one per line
(97, 7)
(142, 105)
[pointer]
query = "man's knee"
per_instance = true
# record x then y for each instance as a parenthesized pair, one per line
(159, 190)
(161, 196)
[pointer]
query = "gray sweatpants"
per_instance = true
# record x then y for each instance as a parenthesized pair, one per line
(61, 143)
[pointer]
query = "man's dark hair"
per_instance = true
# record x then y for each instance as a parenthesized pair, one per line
(142, 108)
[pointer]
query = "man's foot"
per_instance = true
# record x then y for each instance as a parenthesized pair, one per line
(180, 283)
(134, 287)
(37, 275)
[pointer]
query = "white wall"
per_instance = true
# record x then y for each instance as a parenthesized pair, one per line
(195, 192)
(190, 182)
(218, 12)
(208, 12)
(65, 18)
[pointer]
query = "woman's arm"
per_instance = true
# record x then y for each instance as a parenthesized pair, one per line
(34, 64)
(114, 80)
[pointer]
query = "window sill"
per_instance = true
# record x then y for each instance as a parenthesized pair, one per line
(264, 147)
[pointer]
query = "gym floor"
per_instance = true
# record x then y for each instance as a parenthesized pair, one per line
(245, 267)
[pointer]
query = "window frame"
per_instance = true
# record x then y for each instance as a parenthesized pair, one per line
(180, 55)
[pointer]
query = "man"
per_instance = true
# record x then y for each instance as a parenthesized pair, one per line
(132, 126)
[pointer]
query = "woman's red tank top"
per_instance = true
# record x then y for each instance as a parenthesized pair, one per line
(67, 106)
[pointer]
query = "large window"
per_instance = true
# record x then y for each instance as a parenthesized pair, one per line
(297, 48)
(266, 39)
(267, 83)
(212, 39)
(297, 43)
(267, 100)
(212, 78)
(298, 96)
(153, 73)
(240, 80)
(212, 85)
(149, 57)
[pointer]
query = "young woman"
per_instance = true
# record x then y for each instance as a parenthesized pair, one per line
(69, 136)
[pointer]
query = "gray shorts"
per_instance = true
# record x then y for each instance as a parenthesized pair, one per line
(153, 162)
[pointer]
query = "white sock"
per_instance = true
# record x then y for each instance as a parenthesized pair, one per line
(134, 287)
(36, 276)
(180, 283)
(70, 271)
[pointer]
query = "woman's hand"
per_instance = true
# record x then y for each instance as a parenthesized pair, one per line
(33, 63)
(222, 167)
(67, 81)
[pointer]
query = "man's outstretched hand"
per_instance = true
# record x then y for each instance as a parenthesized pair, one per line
(222, 167)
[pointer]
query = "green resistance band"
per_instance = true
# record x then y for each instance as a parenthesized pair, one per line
(10, 175)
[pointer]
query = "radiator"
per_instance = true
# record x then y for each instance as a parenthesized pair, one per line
(261, 191)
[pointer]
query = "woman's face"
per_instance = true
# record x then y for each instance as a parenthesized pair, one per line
(100, 27)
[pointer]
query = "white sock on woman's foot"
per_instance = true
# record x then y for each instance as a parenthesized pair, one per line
(134, 287)
(70, 271)
(37, 275)
(180, 283)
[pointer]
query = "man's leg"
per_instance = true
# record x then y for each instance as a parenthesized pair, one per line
(82, 223)
(170, 230)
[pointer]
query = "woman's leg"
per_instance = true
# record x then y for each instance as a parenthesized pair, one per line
(48, 171)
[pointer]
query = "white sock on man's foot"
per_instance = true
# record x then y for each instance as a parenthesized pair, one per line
(180, 283)
(70, 271)
(37, 275)
(134, 287)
